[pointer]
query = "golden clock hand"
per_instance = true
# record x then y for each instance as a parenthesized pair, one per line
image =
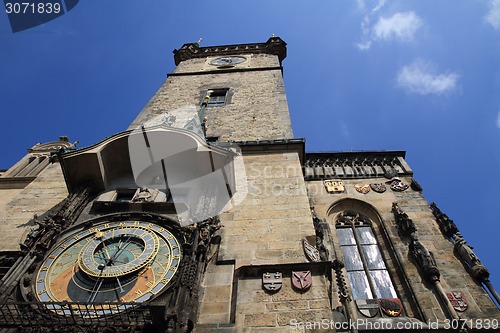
(118, 247)
(107, 253)
(103, 257)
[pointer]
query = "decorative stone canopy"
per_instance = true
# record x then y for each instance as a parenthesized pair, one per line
(54, 146)
(123, 159)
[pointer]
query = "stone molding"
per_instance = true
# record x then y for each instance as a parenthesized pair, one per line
(355, 165)
(274, 45)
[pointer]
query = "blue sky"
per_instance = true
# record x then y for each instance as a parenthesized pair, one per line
(415, 75)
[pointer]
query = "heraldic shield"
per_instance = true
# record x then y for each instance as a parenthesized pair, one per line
(272, 281)
(301, 280)
(368, 307)
(458, 300)
(362, 188)
(312, 253)
(391, 306)
(334, 186)
(397, 185)
(378, 187)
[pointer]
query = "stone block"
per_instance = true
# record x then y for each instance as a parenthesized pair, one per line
(215, 308)
(217, 294)
(260, 320)
(213, 318)
(286, 318)
(217, 279)
(287, 306)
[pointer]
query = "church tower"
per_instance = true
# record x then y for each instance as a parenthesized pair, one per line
(208, 215)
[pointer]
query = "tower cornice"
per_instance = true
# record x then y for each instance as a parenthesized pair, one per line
(274, 45)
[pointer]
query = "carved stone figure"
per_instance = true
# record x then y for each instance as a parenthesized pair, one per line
(337, 266)
(464, 251)
(424, 259)
(447, 226)
(404, 223)
(144, 195)
(320, 235)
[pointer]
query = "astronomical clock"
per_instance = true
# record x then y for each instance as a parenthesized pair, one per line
(133, 269)
(122, 261)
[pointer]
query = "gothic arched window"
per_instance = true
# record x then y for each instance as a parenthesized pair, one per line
(366, 269)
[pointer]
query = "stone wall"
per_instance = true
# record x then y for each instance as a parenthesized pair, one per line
(256, 110)
(418, 296)
(264, 233)
(18, 206)
(268, 226)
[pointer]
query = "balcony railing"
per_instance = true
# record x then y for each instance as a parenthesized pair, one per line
(14, 314)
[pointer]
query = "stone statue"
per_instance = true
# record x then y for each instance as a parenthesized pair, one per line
(447, 226)
(144, 195)
(464, 251)
(404, 223)
(424, 259)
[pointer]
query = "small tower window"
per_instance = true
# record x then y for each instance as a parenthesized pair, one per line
(218, 97)
(124, 195)
(366, 269)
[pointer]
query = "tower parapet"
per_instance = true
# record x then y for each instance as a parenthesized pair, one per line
(274, 45)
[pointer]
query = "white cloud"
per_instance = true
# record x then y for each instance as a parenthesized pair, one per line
(402, 26)
(498, 119)
(363, 3)
(345, 130)
(366, 42)
(419, 77)
(364, 45)
(493, 16)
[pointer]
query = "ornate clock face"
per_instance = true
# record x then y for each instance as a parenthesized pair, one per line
(124, 261)
(228, 61)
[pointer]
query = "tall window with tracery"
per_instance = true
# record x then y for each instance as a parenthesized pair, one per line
(366, 269)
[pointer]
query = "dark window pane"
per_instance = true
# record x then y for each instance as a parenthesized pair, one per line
(352, 260)
(218, 97)
(373, 257)
(383, 284)
(346, 236)
(124, 195)
(359, 285)
(366, 235)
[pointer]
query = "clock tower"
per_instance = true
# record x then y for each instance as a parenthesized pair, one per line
(244, 84)
(208, 215)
